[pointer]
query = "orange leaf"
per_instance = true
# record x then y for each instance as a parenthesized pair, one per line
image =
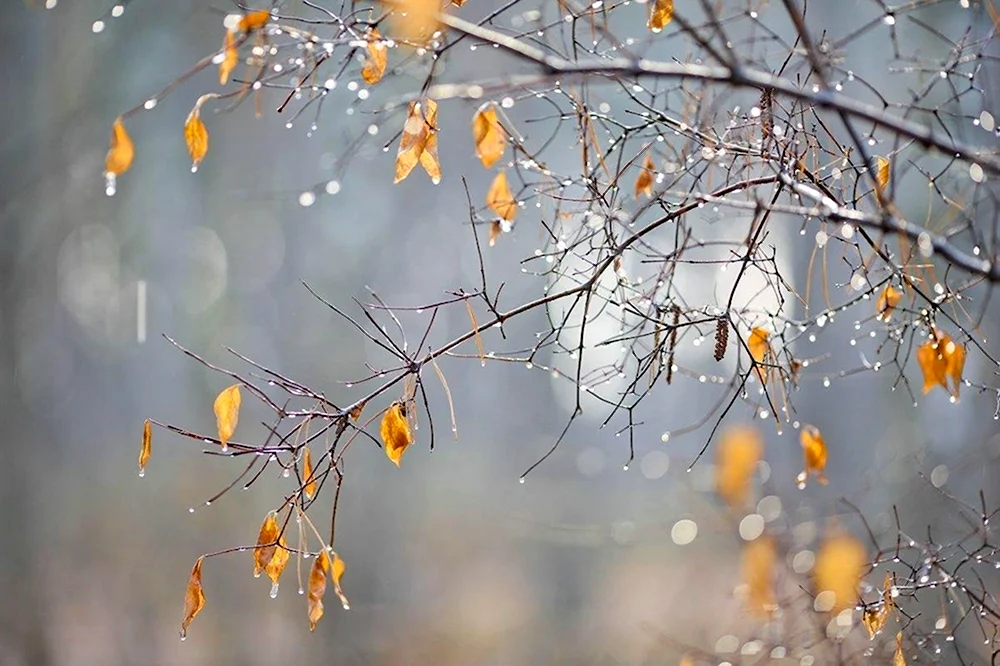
(378, 59)
(489, 136)
(814, 449)
(887, 302)
(194, 597)
(898, 658)
(267, 541)
(661, 15)
(419, 142)
(227, 413)
(760, 350)
(196, 137)
(933, 363)
(395, 433)
(500, 198)
(839, 564)
(337, 572)
(254, 20)
(736, 459)
(954, 358)
(230, 57)
(759, 557)
(415, 21)
(875, 617)
(121, 152)
(644, 183)
(882, 172)
(147, 446)
(277, 564)
(317, 587)
(307, 474)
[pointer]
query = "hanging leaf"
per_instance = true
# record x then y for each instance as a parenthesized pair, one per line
(338, 567)
(815, 452)
(317, 587)
(307, 474)
(488, 135)
(147, 446)
(419, 142)
(496, 230)
(276, 566)
(500, 198)
(839, 564)
(644, 183)
(887, 302)
(882, 172)
(254, 20)
(194, 597)
(760, 350)
(661, 15)
(196, 137)
(121, 152)
(954, 357)
(737, 456)
(395, 433)
(227, 413)
(230, 57)
(875, 617)
(267, 541)
(941, 358)
(898, 658)
(377, 60)
(759, 557)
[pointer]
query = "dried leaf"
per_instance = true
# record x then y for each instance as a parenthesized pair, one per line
(355, 412)
(337, 568)
(898, 658)
(121, 152)
(814, 449)
(227, 413)
(196, 137)
(276, 566)
(317, 587)
(644, 183)
(500, 198)
(489, 136)
(458, 3)
(254, 20)
(882, 172)
(954, 357)
(760, 350)
(839, 564)
(419, 142)
(267, 541)
(737, 455)
(147, 446)
(377, 60)
(230, 57)
(875, 617)
(941, 358)
(496, 230)
(307, 474)
(661, 15)
(395, 433)
(194, 597)
(887, 302)
(759, 557)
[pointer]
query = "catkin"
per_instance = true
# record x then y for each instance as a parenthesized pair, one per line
(673, 342)
(721, 337)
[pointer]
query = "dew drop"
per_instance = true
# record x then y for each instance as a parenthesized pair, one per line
(274, 590)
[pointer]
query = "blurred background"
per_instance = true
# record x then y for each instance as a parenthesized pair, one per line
(449, 559)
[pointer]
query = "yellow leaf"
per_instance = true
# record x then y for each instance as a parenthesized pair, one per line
(814, 449)
(760, 350)
(147, 446)
(759, 557)
(934, 364)
(377, 60)
(395, 433)
(194, 597)
(887, 302)
(267, 541)
(882, 172)
(898, 658)
(839, 564)
(500, 198)
(875, 617)
(277, 564)
(496, 230)
(489, 136)
(230, 57)
(317, 587)
(254, 20)
(337, 572)
(121, 152)
(227, 413)
(644, 183)
(307, 474)
(661, 15)
(419, 142)
(414, 22)
(737, 456)
(196, 137)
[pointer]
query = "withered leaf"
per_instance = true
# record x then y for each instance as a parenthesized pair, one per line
(395, 431)
(196, 137)
(317, 587)
(227, 413)
(147, 446)
(418, 143)
(276, 566)
(254, 20)
(337, 572)
(356, 411)
(941, 359)
(121, 152)
(496, 230)
(267, 541)
(644, 183)
(230, 57)
(814, 450)
(887, 302)
(759, 557)
(500, 198)
(660, 15)
(194, 597)
(839, 564)
(882, 166)
(488, 135)
(898, 658)
(737, 456)
(307, 474)
(875, 617)
(377, 60)
(760, 350)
